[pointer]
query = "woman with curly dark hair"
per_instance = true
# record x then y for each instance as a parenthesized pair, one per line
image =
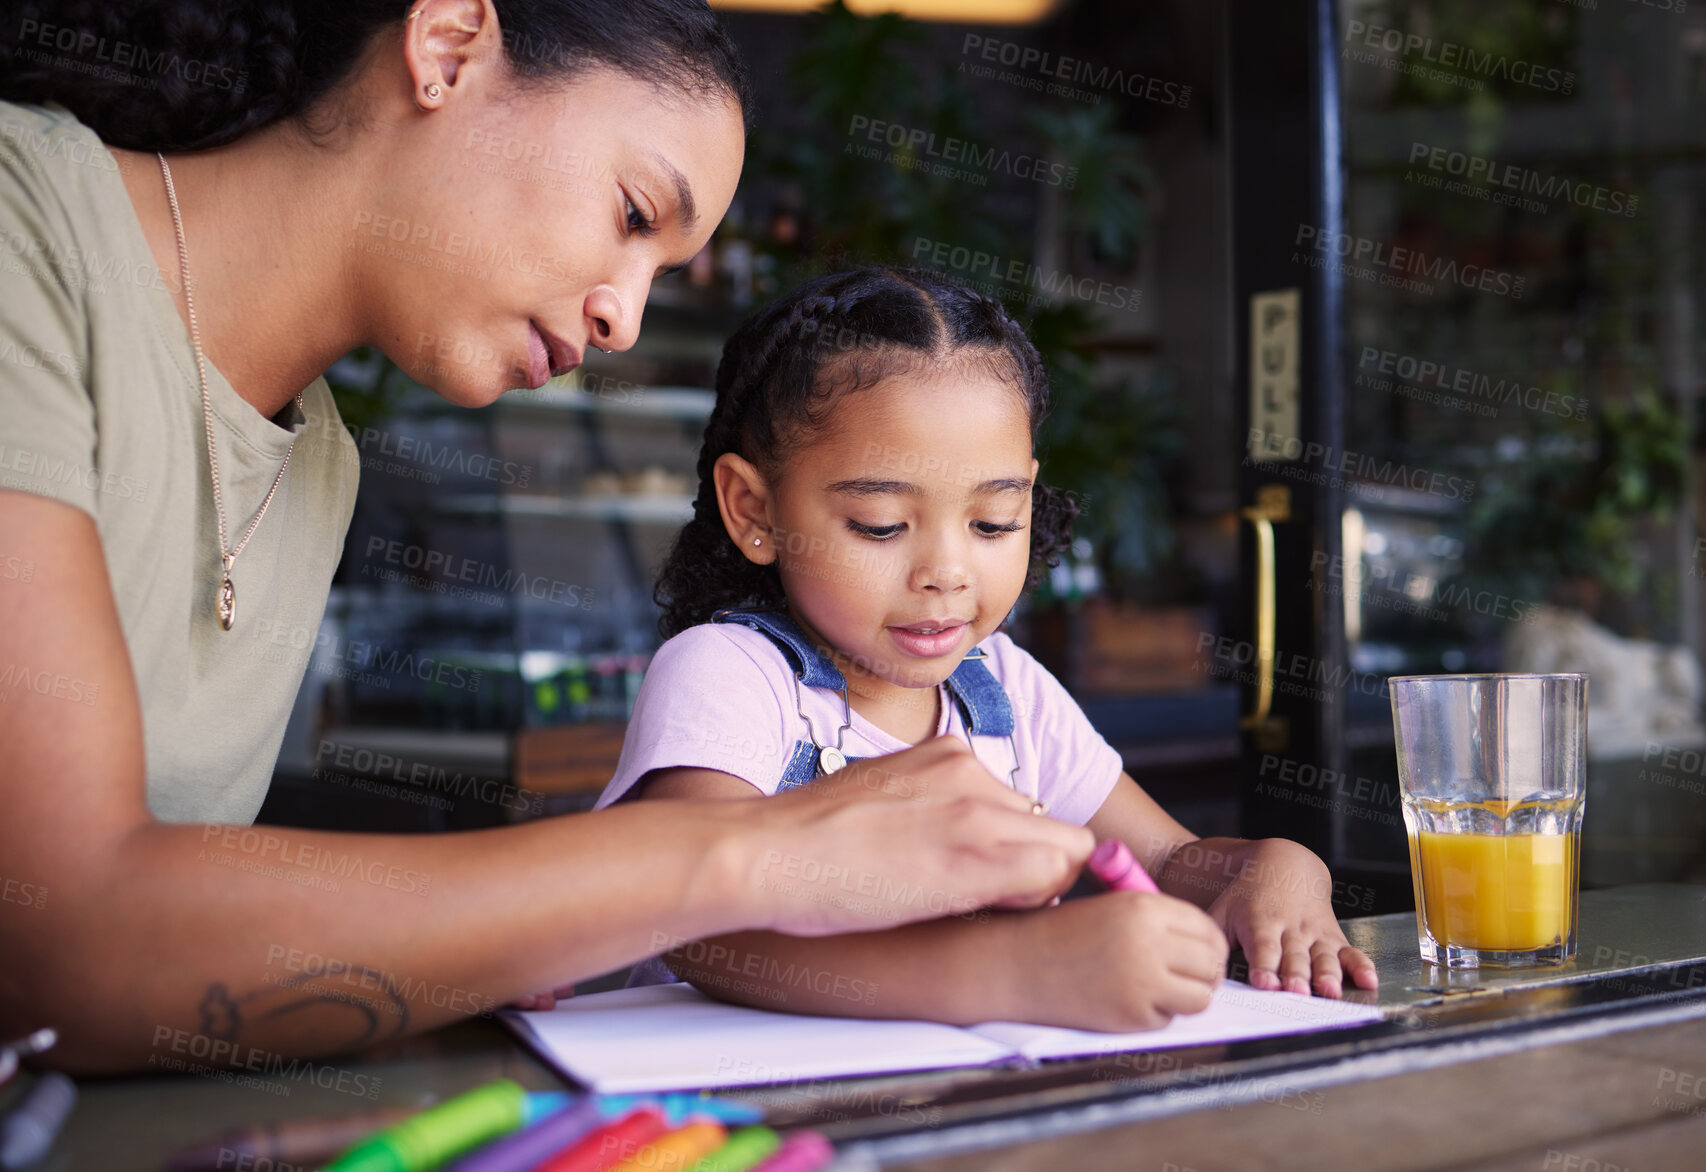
(202, 206)
(868, 515)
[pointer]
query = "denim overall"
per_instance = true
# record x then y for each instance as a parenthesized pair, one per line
(981, 699)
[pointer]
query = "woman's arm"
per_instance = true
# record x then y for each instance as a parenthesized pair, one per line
(150, 944)
(1126, 961)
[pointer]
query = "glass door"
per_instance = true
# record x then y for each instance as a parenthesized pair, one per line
(1504, 243)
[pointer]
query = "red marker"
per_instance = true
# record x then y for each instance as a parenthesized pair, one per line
(607, 1146)
(1112, 862)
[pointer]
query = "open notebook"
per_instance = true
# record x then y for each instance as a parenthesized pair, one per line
(672, 1037)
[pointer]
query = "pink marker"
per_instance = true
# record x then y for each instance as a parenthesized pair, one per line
(1112, 862)
(800, 1151)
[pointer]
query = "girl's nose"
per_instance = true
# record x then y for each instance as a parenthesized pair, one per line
(945, 578)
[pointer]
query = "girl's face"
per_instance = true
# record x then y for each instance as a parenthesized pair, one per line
(518, 226)
(903, 530)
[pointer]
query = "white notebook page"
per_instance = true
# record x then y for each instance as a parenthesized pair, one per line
(1237, 1014)
(672, 1037)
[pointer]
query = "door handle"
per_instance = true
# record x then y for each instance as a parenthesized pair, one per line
(1273, 504)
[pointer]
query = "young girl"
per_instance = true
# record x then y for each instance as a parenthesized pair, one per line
(867, 516)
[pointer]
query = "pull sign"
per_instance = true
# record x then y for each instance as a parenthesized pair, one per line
(1275, 396)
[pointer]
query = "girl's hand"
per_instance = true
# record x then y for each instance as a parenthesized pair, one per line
(916, 835)
(1279, 910)
(1120, 962)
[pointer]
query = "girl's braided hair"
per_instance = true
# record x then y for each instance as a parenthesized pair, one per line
(780, 377)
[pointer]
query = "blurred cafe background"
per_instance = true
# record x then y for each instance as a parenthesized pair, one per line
(1376, 335)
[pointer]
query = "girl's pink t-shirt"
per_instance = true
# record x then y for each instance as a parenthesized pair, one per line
(721, 696)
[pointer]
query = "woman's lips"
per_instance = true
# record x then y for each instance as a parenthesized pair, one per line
(538, 358)
(547, 356)
(563, 357)
(928, 640)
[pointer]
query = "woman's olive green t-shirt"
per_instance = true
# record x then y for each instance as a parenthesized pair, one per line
(100, 408)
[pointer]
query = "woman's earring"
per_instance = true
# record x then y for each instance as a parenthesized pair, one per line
(758, 541)
(432, 91)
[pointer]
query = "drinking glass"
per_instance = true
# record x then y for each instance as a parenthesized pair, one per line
(1492, 776)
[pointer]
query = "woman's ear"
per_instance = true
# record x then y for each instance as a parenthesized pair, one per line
(743, 498)
(439, 37)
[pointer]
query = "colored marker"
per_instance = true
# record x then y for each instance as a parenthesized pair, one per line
(604, 1147)
(1113, 863)
(29, 1129)
(802, 1151)
(536, 1142)
(300, 1141)
(679, 1107)
(440, 1134)
(539, 1104)
(678, 1150)
(746, 1148)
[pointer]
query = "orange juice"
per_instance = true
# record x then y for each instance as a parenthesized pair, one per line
(1499, 892)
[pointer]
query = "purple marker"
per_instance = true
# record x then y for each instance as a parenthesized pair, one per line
(533, 1145)
(1113, 863)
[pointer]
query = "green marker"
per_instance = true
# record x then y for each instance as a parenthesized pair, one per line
(440, 1134)
(744, 1150)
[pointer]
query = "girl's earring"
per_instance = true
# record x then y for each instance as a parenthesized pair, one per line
(758, 541)
(432, 91)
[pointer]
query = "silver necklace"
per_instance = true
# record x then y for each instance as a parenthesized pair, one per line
(226, 599)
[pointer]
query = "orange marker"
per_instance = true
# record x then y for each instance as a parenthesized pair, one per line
(677, 1151)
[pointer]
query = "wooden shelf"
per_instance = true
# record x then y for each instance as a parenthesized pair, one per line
(637, 510)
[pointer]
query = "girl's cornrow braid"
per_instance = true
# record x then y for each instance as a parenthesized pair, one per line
(747, 377)
(750, 374)
(813, 310)
(993, 305)
(1009, 328)
(703, 571)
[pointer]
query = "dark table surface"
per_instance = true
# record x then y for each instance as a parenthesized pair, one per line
(1550, 1068)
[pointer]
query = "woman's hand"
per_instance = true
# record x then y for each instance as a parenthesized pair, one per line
(917, 835)
(1278, 909)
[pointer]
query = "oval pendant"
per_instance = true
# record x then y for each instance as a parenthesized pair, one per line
(829, 760)
(227, 604)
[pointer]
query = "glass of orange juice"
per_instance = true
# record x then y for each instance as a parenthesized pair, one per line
(1492, 774)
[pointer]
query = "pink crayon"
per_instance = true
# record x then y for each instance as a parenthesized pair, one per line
(1113, 863)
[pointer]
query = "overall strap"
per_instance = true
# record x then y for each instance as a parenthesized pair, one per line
(811, 667)
(983, 701)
